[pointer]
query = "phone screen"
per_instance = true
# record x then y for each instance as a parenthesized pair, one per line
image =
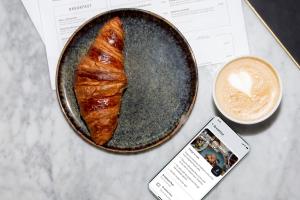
(201, 164)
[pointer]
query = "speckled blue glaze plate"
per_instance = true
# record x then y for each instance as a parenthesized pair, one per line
(162, 80)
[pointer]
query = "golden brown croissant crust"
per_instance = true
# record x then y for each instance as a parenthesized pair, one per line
(100, 80)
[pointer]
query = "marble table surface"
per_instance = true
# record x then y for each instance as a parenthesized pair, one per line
(42, 158)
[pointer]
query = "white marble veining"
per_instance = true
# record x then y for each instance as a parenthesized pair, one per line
(42, 158)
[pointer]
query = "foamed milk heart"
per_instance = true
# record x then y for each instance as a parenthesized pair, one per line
(247, 89)
(241, 81)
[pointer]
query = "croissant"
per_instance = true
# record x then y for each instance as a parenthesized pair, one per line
(100, 80)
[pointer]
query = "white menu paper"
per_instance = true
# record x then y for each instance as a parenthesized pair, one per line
(214, 28)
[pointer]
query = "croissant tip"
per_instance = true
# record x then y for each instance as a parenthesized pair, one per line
(117, 19)
(100, 142)
(101, 138)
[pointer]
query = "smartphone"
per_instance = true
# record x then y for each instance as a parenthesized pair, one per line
(201, 164)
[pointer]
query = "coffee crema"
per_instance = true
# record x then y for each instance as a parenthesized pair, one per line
(247, 89)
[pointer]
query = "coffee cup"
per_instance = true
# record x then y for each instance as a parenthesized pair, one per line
(247, 90)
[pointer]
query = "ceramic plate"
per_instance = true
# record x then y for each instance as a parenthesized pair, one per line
(162, 80)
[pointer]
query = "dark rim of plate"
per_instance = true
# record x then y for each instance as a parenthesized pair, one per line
(181, 121)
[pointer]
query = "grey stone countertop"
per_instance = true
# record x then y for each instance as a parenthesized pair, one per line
(42, 158)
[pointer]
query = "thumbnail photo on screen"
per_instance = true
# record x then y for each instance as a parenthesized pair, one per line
(214, 151)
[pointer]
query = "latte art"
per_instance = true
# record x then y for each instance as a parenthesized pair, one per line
(247, 89)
